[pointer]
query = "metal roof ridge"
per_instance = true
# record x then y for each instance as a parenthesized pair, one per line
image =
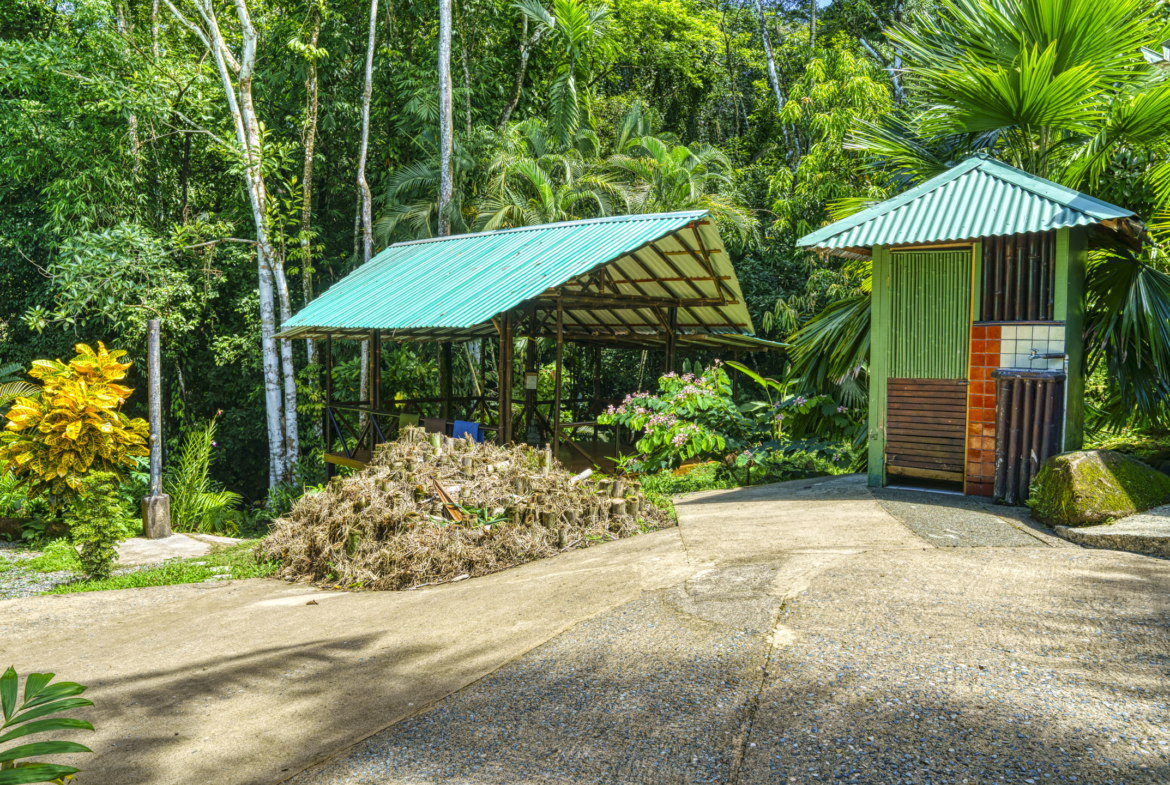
(1037, 186)
(690, 214)
(891, 204)
(1047, 189)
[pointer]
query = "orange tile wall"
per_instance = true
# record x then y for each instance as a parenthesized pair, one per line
(981, 410)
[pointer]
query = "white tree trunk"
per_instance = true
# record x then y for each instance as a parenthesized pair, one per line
(132, 121)
(446, 137)
(248, 140)
(366, 197)
(310, 142)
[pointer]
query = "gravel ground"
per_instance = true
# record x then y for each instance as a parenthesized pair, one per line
(901, 672)
(642, 694)
(987, 665)
(18, 582)
(947, 521)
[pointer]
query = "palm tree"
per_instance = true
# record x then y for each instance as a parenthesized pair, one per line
(659, 175)
(411, 209)
(534, 179)
(1057, 88)
(576, 31)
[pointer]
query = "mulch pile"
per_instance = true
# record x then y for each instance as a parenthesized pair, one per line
(392, 525)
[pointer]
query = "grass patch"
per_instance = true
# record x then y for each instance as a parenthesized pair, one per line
(239, 560)
(660, 489)
(58, 556)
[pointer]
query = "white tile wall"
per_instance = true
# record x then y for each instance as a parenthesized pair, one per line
(1017, 341)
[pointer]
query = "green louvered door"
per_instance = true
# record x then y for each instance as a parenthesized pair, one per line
(927, 387)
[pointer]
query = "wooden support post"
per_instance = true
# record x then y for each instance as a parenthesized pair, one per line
(376, 398)
(445, 379)
(671, 337)
(328, 402)
(505, 379)
(556, 418)
(532, 431)
(735, 378)
(596, 392)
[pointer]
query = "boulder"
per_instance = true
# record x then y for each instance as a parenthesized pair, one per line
(1094, 487)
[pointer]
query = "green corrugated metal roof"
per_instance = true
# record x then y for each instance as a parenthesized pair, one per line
(451, 287)
(980, 197)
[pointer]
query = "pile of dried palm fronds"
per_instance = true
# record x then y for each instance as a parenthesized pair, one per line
(431, 509)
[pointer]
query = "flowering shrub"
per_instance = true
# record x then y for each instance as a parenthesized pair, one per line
(691, 417)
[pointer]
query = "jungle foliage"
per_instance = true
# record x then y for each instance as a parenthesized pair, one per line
(127, 194)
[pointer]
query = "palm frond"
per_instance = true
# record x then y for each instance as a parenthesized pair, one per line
(834, 344)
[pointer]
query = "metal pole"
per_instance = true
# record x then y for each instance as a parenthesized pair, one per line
(155, 388)
(156, 508)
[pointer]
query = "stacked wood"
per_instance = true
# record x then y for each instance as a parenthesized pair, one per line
(394, 524)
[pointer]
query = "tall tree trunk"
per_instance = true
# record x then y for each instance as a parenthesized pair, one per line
(154, 29)
(132, 120)
(773, 79)
(466, 65)
(446, 135)
(364, 188)
(310, 142)
(812, 22)
(247, 130)
(518, 84)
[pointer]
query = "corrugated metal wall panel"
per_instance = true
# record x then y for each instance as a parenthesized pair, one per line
(931, 312)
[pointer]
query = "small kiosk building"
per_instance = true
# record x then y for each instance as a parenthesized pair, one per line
(976, 356)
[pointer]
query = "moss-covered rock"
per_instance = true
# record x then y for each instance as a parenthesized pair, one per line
(1094, 487)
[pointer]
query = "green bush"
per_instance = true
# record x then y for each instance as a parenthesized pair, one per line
(97, 522)
(691, 417)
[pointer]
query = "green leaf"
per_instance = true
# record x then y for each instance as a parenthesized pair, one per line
(34, 684)
(36, 772)
(43, 726)
(8, 692)
(42, 748)
(63, 689)
(51, 708)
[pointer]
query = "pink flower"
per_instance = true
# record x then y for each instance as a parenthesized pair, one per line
(842, 409)
(213, 444)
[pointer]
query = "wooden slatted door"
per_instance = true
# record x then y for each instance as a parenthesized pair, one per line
(926, 392)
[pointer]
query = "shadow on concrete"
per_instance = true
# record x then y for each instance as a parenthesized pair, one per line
(1008, 682)
(289, 678)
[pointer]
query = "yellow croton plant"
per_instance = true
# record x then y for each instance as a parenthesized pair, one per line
(52, 441)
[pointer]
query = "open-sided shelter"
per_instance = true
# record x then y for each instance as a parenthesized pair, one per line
(658, 281)
(976, 359)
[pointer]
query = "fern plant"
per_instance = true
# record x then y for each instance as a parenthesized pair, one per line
(41, 698)
(196, 504)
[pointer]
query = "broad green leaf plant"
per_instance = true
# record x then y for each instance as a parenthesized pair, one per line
(31, 716)
(76, 424)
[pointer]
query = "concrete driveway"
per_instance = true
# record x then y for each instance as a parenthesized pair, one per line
(801, 632)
